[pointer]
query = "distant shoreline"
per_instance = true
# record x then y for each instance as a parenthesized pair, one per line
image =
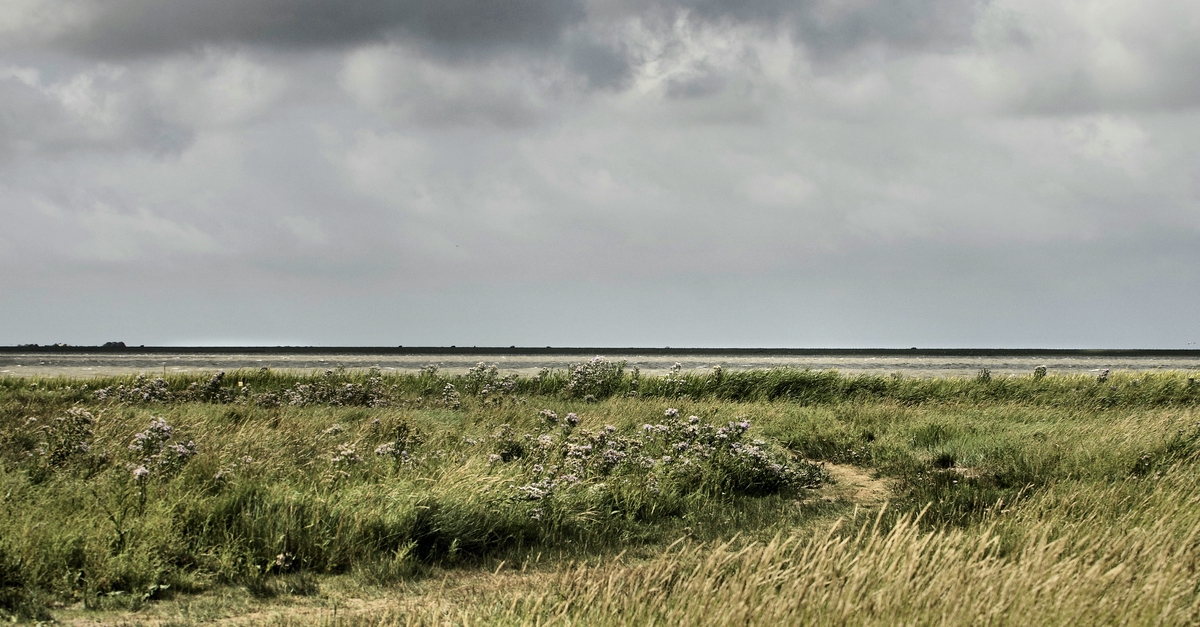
(600, 350)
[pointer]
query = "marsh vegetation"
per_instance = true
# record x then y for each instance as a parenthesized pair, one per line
(596, 495)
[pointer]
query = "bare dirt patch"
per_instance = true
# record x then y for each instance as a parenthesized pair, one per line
(856, 485)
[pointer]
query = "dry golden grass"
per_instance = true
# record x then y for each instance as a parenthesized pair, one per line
(1076, 555)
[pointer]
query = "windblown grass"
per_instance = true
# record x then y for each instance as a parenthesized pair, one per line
(1054, 499)
(1064, 558)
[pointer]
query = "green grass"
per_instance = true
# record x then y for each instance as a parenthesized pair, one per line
(995, 486)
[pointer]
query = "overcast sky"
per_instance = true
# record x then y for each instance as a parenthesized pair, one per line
(853, 173)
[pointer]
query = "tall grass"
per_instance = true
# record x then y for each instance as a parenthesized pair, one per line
(1065, 558)
(1008, 496)
(600, 379)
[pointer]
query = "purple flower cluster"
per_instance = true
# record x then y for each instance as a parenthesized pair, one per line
(335, 390)
(143, 390)
(597, 378)
(155, 451)
(685, 452)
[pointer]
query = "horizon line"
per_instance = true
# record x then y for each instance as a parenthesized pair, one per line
(120, 347)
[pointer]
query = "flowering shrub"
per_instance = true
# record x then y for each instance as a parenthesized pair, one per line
(450, 397)
(345, 455)
(211, 391)
(479, 377)
(400, 447)
(674, 381)
(334, 389)
(143, 390)
(155, 451)
(684, 455)
(598, 378)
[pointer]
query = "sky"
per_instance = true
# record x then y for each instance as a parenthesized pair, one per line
(707, 173)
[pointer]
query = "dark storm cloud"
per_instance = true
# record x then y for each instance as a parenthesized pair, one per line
(123, 28)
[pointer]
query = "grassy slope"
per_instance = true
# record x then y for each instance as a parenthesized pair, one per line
(1063, 499)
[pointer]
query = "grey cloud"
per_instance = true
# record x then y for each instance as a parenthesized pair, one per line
(36, 120)
(1046, 60)
(1172, 84)
(830, 29)
(605, 66)
(586, 169)
(122, 28)
(703, 82)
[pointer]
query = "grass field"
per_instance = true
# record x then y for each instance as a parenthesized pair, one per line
(595, 495)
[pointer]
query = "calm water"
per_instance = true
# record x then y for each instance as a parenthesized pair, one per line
(93, 364)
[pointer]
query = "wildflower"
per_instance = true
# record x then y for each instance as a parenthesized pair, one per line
(578, 450)
(613, 457)
(345, 455)
(672, 413)
(183, 451)
(572, 419)
(141, 472)
(493, 458)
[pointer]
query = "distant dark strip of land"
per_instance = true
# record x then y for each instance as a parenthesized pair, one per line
(116, 347)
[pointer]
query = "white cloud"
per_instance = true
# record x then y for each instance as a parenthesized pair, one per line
(1081, 56)
(215, 88)
(402, 85)
(24, 21)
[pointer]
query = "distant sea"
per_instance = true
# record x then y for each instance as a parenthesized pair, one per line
(87, 361)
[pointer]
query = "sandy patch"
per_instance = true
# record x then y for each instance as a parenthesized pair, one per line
(856, 485)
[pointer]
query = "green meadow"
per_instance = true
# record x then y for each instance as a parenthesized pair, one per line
(597, 496)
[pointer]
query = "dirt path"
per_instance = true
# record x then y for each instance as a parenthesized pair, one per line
(856, 485)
